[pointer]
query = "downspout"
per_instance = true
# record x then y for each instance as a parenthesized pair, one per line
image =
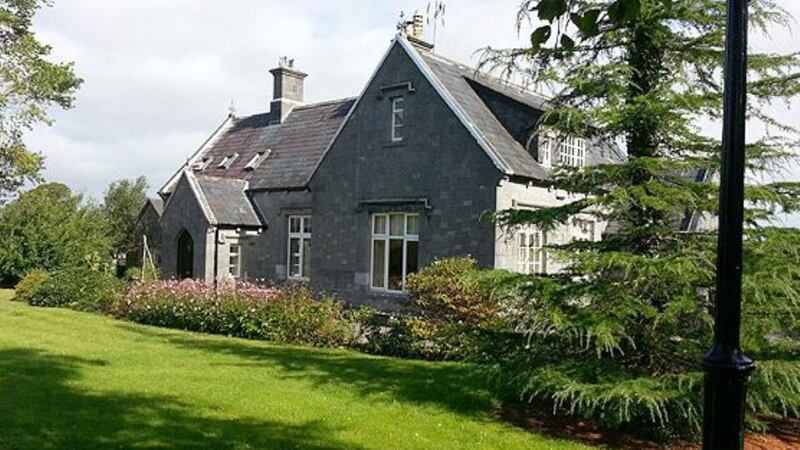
(216, 259)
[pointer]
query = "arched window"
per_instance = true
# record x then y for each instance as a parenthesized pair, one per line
(185, 267)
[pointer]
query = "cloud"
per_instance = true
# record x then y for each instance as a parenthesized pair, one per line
(160, 75)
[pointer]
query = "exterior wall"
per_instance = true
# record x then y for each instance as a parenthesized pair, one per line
(438, 162)
(265, 256)
(521, 196)
(183, 211)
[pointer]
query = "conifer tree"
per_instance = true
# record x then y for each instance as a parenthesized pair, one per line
(620, 334)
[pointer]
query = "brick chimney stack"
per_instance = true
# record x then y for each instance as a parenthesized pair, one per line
(287, 90)
(414, 31)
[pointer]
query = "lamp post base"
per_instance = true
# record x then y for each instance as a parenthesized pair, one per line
(727, 373)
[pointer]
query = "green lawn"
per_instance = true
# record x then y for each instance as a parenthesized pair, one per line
(79, 381)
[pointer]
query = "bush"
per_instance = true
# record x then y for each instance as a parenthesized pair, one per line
(419, 337)
(30, 285)
(450, 290)
(289, 314)
(78, 288)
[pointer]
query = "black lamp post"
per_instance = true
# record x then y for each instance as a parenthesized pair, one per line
(727, 368)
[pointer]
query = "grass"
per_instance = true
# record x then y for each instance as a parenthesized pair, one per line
(70, 380)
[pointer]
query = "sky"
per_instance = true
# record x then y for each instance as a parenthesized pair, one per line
(161, 75)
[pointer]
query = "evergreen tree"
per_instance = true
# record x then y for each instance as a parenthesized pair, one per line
(620, 334)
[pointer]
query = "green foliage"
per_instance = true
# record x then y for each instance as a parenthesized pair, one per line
(31, 85)
(290, 314)
(122, 204)
(30, 285)
(80, 288)
(50, 228)
(449, 290)
(619, 335)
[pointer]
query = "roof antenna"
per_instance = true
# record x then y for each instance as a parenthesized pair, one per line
(232, 109)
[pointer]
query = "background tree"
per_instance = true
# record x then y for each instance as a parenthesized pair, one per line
(29, 85)
(620, 334)
(123, 201)
(51, 228)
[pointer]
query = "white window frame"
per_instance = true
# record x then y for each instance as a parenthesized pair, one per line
(526, 262)
(237, 273)
(398, 110)
(546, 142)
(302, 235)
(386, 237)
(582, 227)
(572, 151)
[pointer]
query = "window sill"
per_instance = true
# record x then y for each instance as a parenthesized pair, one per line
(388, 293)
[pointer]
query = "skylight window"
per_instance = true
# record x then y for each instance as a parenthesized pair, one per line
(256, 160)
(227, 161)
(203, 164)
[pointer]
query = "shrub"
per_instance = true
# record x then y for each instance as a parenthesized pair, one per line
(78, 288)
(289, 314)
(450, 290)
(30, 285)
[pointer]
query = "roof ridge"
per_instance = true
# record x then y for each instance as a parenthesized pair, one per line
(325, 103)
(302, 106)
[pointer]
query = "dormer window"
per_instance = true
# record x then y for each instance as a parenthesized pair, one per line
(566, 150)
(202, 165)
(227, 161)
(397, 119)
(572, 151)
(256, 160)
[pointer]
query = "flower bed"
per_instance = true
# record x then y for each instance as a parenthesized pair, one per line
(289, 313)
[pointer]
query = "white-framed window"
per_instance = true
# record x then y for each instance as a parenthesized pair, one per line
(394, 249)
(398, 116)
(583, 229)
(257, 159)
(235, 260)
(299, 247)
(569, 150)
(531, 257)
(546, 143)
(572, 151)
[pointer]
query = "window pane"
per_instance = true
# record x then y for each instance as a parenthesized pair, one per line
(306, 257)
(412, 224)
(412, 263)
(294, 257)
(294, 224)
(397, 224)
(378, 259)
(307, 225)
(379, 225)
(396, 264)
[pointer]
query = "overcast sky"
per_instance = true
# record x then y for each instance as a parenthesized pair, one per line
(160, 74)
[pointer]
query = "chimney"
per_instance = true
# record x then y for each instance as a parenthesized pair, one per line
(287, 90)
(414, 30)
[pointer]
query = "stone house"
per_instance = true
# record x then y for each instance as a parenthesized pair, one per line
(352, 195)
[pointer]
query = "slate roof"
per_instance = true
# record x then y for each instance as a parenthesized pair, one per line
(514, 159)
(296, 145)
(227, 201)
(158, 205)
